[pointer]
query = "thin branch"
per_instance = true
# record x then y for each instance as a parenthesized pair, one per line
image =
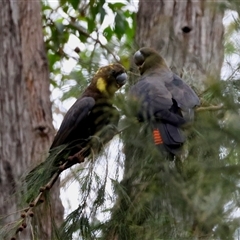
(85, 33)
(210, 108)
(28, 212)
(233, 73)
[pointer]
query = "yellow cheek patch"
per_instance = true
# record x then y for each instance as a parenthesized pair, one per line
(101, 85)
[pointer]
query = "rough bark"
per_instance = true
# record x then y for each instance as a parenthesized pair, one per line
(189, 34)
(26, 119)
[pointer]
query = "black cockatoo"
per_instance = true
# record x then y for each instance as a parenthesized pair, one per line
(165, 100)
(92, 115)
(87, 126)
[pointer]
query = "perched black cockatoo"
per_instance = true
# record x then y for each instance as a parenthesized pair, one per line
(92, 115)
(165, 100)
(87, 126)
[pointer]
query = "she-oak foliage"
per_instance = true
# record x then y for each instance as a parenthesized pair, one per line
(169, 199)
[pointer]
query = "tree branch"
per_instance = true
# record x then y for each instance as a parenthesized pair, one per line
(28, 212)
(85, 33)
(210, 108)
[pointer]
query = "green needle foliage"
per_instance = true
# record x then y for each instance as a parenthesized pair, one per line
(189, 197)
(41, 175)
(196, 195)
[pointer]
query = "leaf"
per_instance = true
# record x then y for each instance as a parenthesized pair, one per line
(229, 48)
(119, 25)
(94, 8)
(108, 33)
(127, 14)
(60, 27)
(102, 14)
(62, 2)
(46, 7)
(116, 6)
(91, 24)
(53, 83)
(65, 8)
(75, 3)
(82, 37)
(52, 59)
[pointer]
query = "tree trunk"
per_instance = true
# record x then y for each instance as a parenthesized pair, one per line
(153, 202)
(189, 34)
(26, 119)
